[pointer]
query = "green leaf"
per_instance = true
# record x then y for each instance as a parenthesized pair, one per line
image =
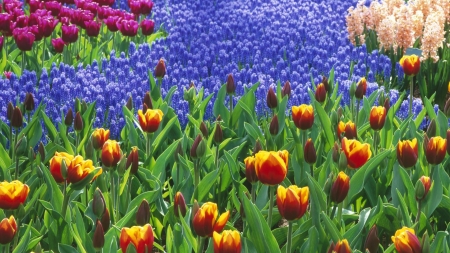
(434, 196)
(51, 129)
(219, 105)
(63, 248)
(24, 241)
(326, 126)
(331, 228)
(206, 183)
(439, 242)
(404, 210)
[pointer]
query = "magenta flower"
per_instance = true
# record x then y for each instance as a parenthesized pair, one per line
(128, 27)
(147, 26)
(21, 21)
(5, 21)
(146, 7)
(135, 7)
(1, 43)
(58, 45)
(104, 12)
(92, 7)
(47, 25)
(54, 7)
(36, 31)
(35, 5)
(69, 33)
(111, 23)
(92, 28)
(24, 38)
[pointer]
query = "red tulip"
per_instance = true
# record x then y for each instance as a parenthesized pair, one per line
(147, 26)
(69, 33)
(58, 45)
(24, 38)
(92, 28)
(128, 27)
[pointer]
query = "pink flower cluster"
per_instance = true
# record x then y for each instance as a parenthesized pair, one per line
(399, 24)
(88, 15)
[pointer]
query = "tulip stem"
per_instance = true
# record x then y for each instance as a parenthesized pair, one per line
(196, 176)
(312, 170)
(357, 112)
(129, 190)
(411, 86)
(113, 194)
(200, 242)
(269, 217)
(23, 62)
(11, 140)
(254, 193)
(333, 211)
(17, 168)
(6, 248)
(375, 144)
(231, 108)
(419, 207)
(65, 201)
(289, 238)
(43, 53)
(16, 136)
(339, 214)
(149, 145)
(76, 142)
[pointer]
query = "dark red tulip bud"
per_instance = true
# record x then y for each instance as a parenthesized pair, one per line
(326, 84)
(179, 206)
(310, 152)
(99, 236)
(372, 240)
(68, 120)
(179, 152)
(10, 111)
(143, 213)
(231, 87)
(336, 152)
(387, 104)
(29, 102)
(78, 123)
(286, 91)
(41, 151)
(198, 147)
(321, 93)
(331, 248)
(105, 220)
(98, 204)
(148, 100)
(16, 118)
(144, 108)
(133, 161)
(257, 147)
(204, 129)
(218, 133)
(272, 101)
(361, 88)
(160, 70)
(129, 104)
(273, 128)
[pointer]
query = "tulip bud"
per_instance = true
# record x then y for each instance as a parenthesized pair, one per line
(334, 118)
(160, 69)
(17, 118)
(422, 188)
(372, 240)
(321, 93)
(257, 147)
(340, 188)
(129, 104)
(381, 98)
(22, 146)
(331, 247)
(286, 89)
(179, 152)
(31, 154)
(198, 147)
(218, 133)
(105, 220)
(326, 84)
(195, 208)
(328, 184)
(250, 171)
(78, 123)
(98, 204)
(361, 88)
(387, 104)
(77, 105)
(339, 113)
(38, 248)
(310, 152)
(447, 108)
(272, 101)
(29, 102)
(425, 243)
(204, 129)
(179, 206)
(144, 108)
(99, 236)
(431, 130)
(352, 90)
(231, 87)
(336, 152)
(83, 106)
(273, 128)
(148, 100)
(122, 165)
(190, 94)
(68, 120)
(10, 111)
(343, 161)
(133, 161)
(143, 213)
(41, 151)
(89, 148)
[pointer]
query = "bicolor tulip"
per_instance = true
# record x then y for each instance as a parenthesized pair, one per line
(227, 242)
(321, 93)
(141, 237)
(347, 130)
(111, 153)
(361, 88)
(99, 137)
(435, 150)
(407, 153)
(292, 202)
(150, 121)
(303, 116)
(410, 64)
(133, 161)
(309, 152)
(56, 162)
(340, 188)
(80, 169)
(250, 171)
(406, 241)
(12, 194)
(8, 229)
(271, 167)
(356, 152)
(179, 205)
(377, 117)
(422, 188)
(342, 247)
(207, 220)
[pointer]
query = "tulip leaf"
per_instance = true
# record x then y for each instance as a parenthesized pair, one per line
(442, 123)
(403, 209)
(434, 196)
(64, 248)
(206, 183)
(326, 125)
(51, 129)
(5, 162)
(24, 240)
(53, 192)
(219, 105)
(158, 168)
(430, 109)
(358, 179)
(187, 232)
(401, 182)
(162, 136)
(440, 242)
(331, 228)
(248, 99)
(179, 244)
(63, 133)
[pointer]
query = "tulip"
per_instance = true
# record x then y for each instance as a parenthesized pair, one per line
(111, 153)
(98, 204)
(56, 163)
(372, 240)
(340, 188)
(321, 93)
(21, 22)
(135, 7)
(54, 7)
(68, 119)
(179, 205)
(377, 117)
(227, 242)
(206, 222)
(407, 153)
(309, 152)
(28, 102)
(357, 154)
(12, 194)
(141, 237)
(198, 147)
(361, 88)
(92, 28)
(349, 130)
(435, 150)
(8, 229)
(111, 23)
(231, 86)
(47, 25)
(406, 241)
(105, 220)
(342, 247)
(410, 64)
(272, 101)
(422, 188)
(271, 167)
(150, 121)
(5, 23)
(78, 123)
(273, 127)
(286, 91)
(16, 118)
(133, 161)
(250, 171)
(160, 69)
(147, 27)
(69, 33)
(99, 137)
(218, 134)
(143, 213)
(79, 169)
(303, 116)
(24, 38)
(204, 130)
(146, 7)
(128, 27)
(292, 202)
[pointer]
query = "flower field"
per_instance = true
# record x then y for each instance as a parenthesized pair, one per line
(224, 126)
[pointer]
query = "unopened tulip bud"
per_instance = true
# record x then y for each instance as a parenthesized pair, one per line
(272, 101)
(129, 104)
(99, 236)
(83, 106)
(148, 100)
(160, 69)
(198, 147)
(105, 220)
(431, 130)
(339, 113)
(89, 148)
(425, 243)
(447, 108)
(204, 129)
(22, 146)
(321, 93)
(17, 118)
(10, 111)
(38, 248)
(133, 161)
(179, 152)
(343, 161)
(190, 94)
(144, 108)
(31, 154)
(179, 206)
(122, 165)
(41, 151)
(98, 204)
(422, 188)
(68, 120)
(381, 98)
(29, 102)
(336, 152)
(143, 213)
(334, 118)
(372, 240)
(340, 188)
(331, 247)
(326, 84)
(257, 147)
(328, 184)
(387, 104)
(310, 152)
(231, 87)
(78, 123)
(286, 91)
(361, 88)
(250, 171)
(273, 128)
(218, 133)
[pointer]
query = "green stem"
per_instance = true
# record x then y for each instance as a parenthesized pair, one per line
(76, 142)
(149, 145)
(129, 190)
(65, 201)
(43, 53)
(6, 248)
(16, 175)
(196, 176)
(375, 144)
(357, 112)
(311, 166)
(419, 207)
(200, 243)
(23, 61)
(16, 136)
(269, 217)
(339, 215)
(111, 176)
(289, 238)
(231, 107)
(411, 86)
(118, 199)
(11, 140)
(28, 117)
(254, 193)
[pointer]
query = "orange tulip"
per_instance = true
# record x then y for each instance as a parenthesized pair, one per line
(303, 116)
(55, 165)
(12, 194)
(377, 117)
(292, 201)
(141, 237)
(206, 222)
(271, 167)
(407, 152)
(347, 129)
(410, 64)
(227, 242)
(342, 247)
(99, 137)
(406, 241)
(111, 153)
(250, 172)
(79, 169)
(340, 188)
(357, 153)
(435, 150)
(150, 120)
(8, 229)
